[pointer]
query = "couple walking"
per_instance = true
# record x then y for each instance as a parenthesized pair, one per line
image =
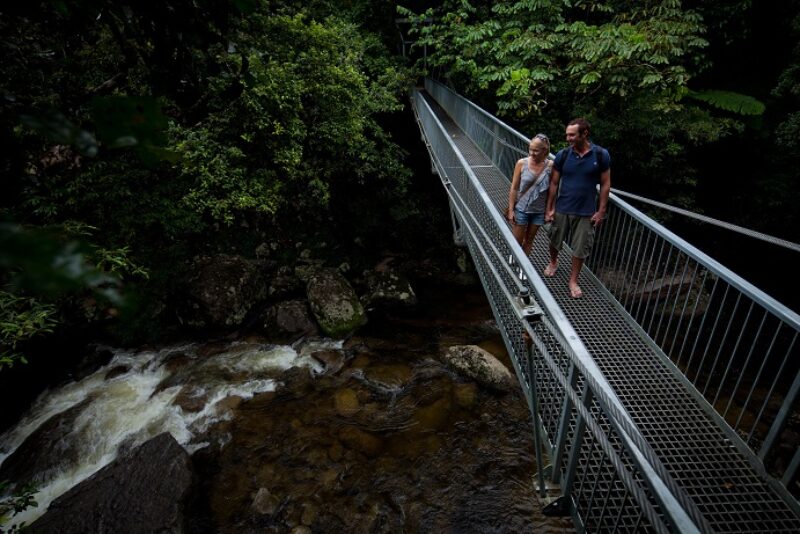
(561, 192)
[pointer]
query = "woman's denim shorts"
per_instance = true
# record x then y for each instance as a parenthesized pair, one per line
(524, 219)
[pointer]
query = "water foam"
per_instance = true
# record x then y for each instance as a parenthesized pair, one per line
(129, 409)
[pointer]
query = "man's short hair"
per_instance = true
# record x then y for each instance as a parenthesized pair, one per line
(583, 125)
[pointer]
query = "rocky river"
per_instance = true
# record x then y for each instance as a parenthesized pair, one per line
(373, 433)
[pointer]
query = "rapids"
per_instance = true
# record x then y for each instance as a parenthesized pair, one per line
(139, 395)
(372, 434)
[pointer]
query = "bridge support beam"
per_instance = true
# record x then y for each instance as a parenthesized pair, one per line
(458, 228)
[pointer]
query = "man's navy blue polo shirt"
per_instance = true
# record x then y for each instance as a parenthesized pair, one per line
(579, 179)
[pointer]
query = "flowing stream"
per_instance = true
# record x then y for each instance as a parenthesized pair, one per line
(137, 396)
(381, 437)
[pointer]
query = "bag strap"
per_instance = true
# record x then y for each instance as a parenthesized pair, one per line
(547, 165)
(599, 154)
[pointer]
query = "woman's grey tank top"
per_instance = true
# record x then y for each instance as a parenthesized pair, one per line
(533, 201)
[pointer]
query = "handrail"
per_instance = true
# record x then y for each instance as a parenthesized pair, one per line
(779, 309)
(672, 499)
(720, 335)
(771, 239)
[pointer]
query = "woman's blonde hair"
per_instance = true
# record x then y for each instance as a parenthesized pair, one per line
(544, 139)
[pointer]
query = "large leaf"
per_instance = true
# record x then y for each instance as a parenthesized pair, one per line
(729, 101)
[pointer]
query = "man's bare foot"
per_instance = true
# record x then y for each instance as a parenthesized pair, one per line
(575, 291)
(550, 270)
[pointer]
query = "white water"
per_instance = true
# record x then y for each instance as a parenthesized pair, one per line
(125, 411)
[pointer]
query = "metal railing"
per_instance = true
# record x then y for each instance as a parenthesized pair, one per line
(502, 144)
(608, 471)
(732, 345)
(736, 345)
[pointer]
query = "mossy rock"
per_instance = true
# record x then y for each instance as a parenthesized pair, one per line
(334, 303)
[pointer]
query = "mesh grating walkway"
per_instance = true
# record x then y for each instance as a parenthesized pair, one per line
(727, 490)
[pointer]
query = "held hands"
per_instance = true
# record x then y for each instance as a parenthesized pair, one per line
(549, 215)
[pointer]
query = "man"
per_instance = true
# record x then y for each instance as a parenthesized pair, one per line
(577, 169)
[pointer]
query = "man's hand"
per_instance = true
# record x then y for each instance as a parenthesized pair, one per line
(549, 215)
(597, 218)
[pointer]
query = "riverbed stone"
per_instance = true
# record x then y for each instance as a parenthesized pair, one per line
(191, 399)
(222, 289)
(334, 303)
(286, 321)
(477, 364)
(346, 401)
(361, 441)
(335, 451)
(141, 492)
(117, 370)
(388, 289)
(433, 416)
(310, 513)
(265, 503)
(390, 375)
(465, 394)
(333, 360)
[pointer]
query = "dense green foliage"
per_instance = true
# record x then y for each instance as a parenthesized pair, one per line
(153, 133)
(137, 136)
(627, 66)
(21, 499)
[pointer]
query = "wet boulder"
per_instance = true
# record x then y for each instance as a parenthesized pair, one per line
(49, 449)
(388, 289)
(286, 321)
(222, 289)
(332, 360)
(334, 303)
(479, 365)
(141, 492)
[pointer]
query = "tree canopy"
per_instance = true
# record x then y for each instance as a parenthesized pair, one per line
(627, 66)
(137, 136)
(154, 132)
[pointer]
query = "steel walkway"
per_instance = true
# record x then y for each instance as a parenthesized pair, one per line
(634, 444)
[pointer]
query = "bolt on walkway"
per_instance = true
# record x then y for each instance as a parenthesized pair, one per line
(725, 486)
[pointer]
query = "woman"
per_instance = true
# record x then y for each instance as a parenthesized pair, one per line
(527, 197)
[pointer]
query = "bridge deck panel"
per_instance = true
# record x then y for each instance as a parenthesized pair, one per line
(719, 478)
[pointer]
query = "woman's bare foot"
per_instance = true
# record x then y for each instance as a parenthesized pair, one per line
(550, 270)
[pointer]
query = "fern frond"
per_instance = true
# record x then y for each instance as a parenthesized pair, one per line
(729, 101)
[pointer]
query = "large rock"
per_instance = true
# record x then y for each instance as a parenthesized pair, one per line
(222, 289)
(388, 290)
(46, 451)
(481, 366)
(334, 303)
(141, 492)
(286, 321)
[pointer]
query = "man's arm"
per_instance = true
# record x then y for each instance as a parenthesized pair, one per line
(550, 210)
(605, 188)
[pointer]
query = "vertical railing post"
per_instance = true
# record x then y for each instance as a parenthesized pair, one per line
(780, 420)
(577, 443)
(563, 426)
(458, 230)
(537, 426)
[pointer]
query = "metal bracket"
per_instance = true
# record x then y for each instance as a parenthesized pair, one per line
(528, 309)
(532, 313)
(558, 508)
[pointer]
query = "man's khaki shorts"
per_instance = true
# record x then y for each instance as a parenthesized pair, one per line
(581, 230)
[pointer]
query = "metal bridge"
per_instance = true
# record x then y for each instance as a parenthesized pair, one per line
(663, 400)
